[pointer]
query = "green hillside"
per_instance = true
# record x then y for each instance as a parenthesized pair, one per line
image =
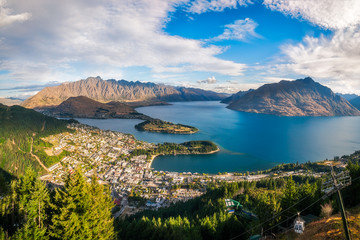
(18, 128)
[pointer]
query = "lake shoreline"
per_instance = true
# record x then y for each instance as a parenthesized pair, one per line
(264, 140)
(154, 156)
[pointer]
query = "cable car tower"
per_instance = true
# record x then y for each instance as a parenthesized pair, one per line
(335, 184)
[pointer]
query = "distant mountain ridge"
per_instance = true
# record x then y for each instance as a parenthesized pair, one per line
(84, 107)
(235, 96)
(113, 90)
(347, 96)
(302, 97)
(355, 102)
(10, 101)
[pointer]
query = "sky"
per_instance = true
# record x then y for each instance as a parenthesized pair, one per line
(219, 45)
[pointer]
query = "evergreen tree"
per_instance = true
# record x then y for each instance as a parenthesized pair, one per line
(24, 209)
(82, 210)
(290, 195)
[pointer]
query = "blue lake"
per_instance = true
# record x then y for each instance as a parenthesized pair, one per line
(248, 141)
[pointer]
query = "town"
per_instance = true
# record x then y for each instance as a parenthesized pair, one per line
(134, 185)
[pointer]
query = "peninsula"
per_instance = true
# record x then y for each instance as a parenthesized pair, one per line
(157, 125)
(302, 97)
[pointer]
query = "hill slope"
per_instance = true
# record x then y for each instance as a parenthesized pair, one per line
(329, 228)
(348, 97)
(356, 102)
(302, 97)
(10, 101)
(112, 90)
(84, 107)
(235, 96)
(19, 128)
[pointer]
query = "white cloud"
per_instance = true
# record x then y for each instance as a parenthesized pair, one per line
(91, 34)
(209, 80)
(329, 14)
(333, 60)
(240, 30)
(201, 6)
(7, 18)
(336, 58)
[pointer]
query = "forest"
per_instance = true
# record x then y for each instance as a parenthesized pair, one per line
(191, 147)
(157, 125)
(19, 127)
(30, 209)
(81, 209)
(276, 203)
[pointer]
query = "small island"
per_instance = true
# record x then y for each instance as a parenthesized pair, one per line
(191, 147)
(157, 125)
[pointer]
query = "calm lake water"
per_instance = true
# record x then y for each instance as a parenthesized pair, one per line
(248, 141)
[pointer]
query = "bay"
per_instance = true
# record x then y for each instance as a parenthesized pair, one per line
(248, 141)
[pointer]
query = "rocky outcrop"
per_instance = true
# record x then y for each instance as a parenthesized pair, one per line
(302, 97)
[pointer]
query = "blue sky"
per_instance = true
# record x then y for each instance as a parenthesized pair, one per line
(220, 45)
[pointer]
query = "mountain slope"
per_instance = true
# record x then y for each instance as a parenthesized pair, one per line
(330, 228)
(235, 96)
(302, 97)
(10, 101)
(20, 127)
(84, 107)
(112, 90)
(348, 97)
(356, 102)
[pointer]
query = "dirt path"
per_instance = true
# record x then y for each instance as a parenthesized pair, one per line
(36, 157)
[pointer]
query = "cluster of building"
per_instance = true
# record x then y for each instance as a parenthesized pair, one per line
(134, 184)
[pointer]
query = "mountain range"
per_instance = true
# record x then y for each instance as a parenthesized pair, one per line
(10, 101)
(235, 96)
(347, 96)
(302, 97)
(113, 90)
(356, 102)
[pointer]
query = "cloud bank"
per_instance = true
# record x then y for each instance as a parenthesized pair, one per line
(7, 18)
(66, 36)
(201, 6)
(335, 59)
(329, 14)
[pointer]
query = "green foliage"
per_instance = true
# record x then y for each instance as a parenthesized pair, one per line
(191, 147)
(50, 160)
(157, 125)
(24, 210)
(200, 218)
(351, 194)
(80, 210)
(18, 126)
(290, 195)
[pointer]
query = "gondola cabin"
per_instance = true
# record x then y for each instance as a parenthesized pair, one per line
(299, 225)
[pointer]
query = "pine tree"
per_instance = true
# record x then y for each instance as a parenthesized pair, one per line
(290, 195)
(82, 210)
(24, 209)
